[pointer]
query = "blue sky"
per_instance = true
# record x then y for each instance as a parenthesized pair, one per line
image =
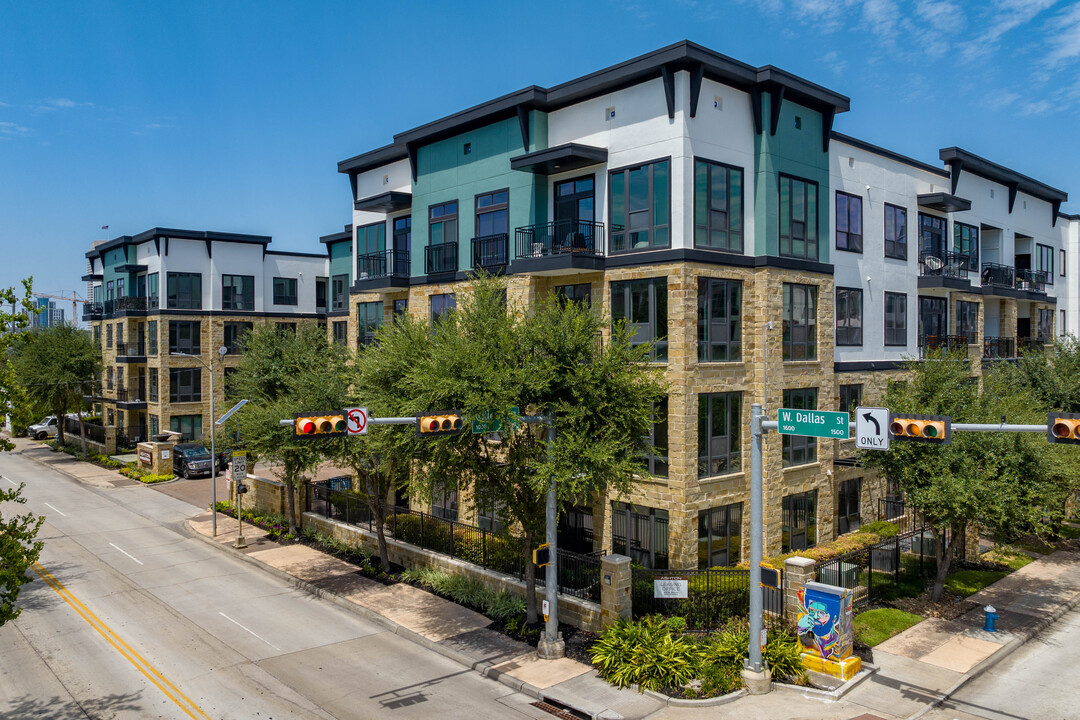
(232, 115)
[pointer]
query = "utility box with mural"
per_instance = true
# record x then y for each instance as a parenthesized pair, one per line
(827, 630)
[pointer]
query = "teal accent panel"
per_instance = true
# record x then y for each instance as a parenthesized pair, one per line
(113, 258)
(341, 262)
(795, 152)
(445, 173)
(538, 130)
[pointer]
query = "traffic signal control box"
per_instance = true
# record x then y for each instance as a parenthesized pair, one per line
(1063, 428)
(443, 423)
(921, 428)
(320, 425)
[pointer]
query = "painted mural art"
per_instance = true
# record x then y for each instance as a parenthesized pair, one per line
(827, 630)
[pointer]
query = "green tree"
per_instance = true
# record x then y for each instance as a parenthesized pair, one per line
(485, 359)
(283, 373)
(1000, 481)
(56, 366)
(1052, 375)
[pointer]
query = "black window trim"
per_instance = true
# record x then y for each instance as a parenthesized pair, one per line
(862, 223)
(780, 230)
(285, 296)
(477, 211)
(652, 195)
(862, 324)
(456, 218)
(902, 242)
(742, 208)
(885, 319)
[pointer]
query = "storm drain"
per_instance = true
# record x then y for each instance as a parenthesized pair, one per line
(561, 711)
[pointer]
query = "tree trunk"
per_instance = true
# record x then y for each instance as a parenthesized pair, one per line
(60, 429)
(530, 580)
(82, 435)
(378, 512)
(290, 501)
(944, 562)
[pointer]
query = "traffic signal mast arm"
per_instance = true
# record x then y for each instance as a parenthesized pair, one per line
(961, 427)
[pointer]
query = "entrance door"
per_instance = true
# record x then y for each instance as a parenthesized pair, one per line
(575, 212)
(933, 320)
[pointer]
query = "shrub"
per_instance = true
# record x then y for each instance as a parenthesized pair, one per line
(504, 605)
(882, 528)
(150, 478)
(644, 653)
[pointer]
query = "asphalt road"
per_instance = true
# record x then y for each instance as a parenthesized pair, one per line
(132, 617)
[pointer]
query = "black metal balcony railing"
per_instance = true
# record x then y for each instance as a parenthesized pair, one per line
(1009, 277)
(999, 347)
(948, 343)
(441, 258)
(1031, 280)
(125, 303)
(1032, 343)
(93, 310)
(491, 251)
(123, 395)
(387, 263)
(131, 349)
(944, 264)
(582, 237)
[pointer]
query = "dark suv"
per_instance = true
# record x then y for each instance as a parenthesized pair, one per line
(190, 459)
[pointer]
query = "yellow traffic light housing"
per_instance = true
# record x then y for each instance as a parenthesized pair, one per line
(320, 425)
(921, 428)
(1063, 428)
(442, 423)
(542, 556)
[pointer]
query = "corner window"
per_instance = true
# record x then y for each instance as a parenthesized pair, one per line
(237, 292)
(895, 319)
(798, 218)
(895, 232)
(799, 529)
(641, 207)
(642, 306)
(656, 462)
(800, 449)
(966, 242)
(368, 318)
(800, 322)
(718, 206)
(185, 385)
(641, 533)
(285, 291)
(719, 536)
(719, 446)
(849, 311)
(719, 316)
(848, 222)
(183, 291)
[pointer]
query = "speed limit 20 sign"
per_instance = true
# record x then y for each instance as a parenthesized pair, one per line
(239, 465)
(356, 420)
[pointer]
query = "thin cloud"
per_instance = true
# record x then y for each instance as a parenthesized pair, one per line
(1063, 37)
(60, 104)
(11, 129)
(1005, 15)
(835, 61)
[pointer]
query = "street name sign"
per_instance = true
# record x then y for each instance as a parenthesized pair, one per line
(872, 428)
(813, 423)
(356, 420)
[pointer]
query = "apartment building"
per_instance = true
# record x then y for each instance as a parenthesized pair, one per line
(166, 302)
(711, 205)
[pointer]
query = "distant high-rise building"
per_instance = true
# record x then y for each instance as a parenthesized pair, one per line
(47, 315)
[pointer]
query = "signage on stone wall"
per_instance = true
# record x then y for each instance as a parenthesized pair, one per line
(145, 456)
(671, 588)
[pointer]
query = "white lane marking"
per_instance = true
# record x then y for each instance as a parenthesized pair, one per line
(244, 628)
(127, 553)
(62, 514)
(10, 481)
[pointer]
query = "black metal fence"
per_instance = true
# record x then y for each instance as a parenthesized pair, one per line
(579, 574)
(491, 251)
(713, 596)
(896, 567)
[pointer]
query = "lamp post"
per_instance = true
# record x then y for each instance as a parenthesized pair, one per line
(213, 457)
(239, 523)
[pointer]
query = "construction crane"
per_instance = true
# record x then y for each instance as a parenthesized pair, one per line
(74, 299)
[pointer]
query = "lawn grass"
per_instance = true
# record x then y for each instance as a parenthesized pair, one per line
(1005, 555)
(1035, 546)
(969, 582)
(876, 626)
(1069, 532)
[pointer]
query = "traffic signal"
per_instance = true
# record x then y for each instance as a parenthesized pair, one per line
(921, 428)
(320, 425)
(1063, 428)
(542, 555)
(443, 423)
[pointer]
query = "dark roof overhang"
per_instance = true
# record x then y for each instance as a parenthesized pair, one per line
(944, 202)
(960, 160)
(562, 158)
(387, 202)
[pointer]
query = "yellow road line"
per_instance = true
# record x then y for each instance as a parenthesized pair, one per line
(182, 701)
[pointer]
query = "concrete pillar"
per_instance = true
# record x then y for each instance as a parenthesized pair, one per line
(797, 572)
(616, 600)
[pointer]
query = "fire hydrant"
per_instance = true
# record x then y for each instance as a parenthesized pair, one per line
(991, 618)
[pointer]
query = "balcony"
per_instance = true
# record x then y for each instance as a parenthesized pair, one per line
(996, 348)
(126, 304)
(131, 399)
(385, 270)
(92, 311)
(1007, 277)
(491, 252)
(441, 258)
(1029, 344)
(945, 343)
(944, 264)
(132, 352)
(558, 246)
(92, 393)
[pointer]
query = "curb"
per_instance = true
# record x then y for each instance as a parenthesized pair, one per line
(867, 671)
(1008, 649)
(688, 703)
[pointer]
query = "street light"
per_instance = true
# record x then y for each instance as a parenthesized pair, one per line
(213, 457)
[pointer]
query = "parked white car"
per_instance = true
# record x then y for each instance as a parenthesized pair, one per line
(44, 429)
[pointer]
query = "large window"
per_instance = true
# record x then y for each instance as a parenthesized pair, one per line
(895, 319)
(718, 206)
(848, 518)
(341, 332)
(368, 318)
(641, 533)
(1044, 260)
(966, 242)
(320, 293)
(444, 503)
(442, 225)
(719, 446)
(151, 337)
(849, 314)
(402, 238)
(967, 321)
(850, 398)
(719, 316)
(493, 214)
(799, 529)
(234, 336)
(183, 291)
(184, 337)
(580, 294)
(719, 536)
(152, 291)
(189, 427)
(895, 232)
(1046, 326)
(285, 291)
(340, 293)
(642, 306)
(152, 385)
(849, 230)
(108, 335)
(370, 239)
(931, 236)
(237, 292)
(800, 449)
(800, 322)
(185, 384)
(656, 462)
(798, 218)
(440, 304)
(641, 207)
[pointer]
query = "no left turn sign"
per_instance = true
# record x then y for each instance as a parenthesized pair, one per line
(356, 420)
